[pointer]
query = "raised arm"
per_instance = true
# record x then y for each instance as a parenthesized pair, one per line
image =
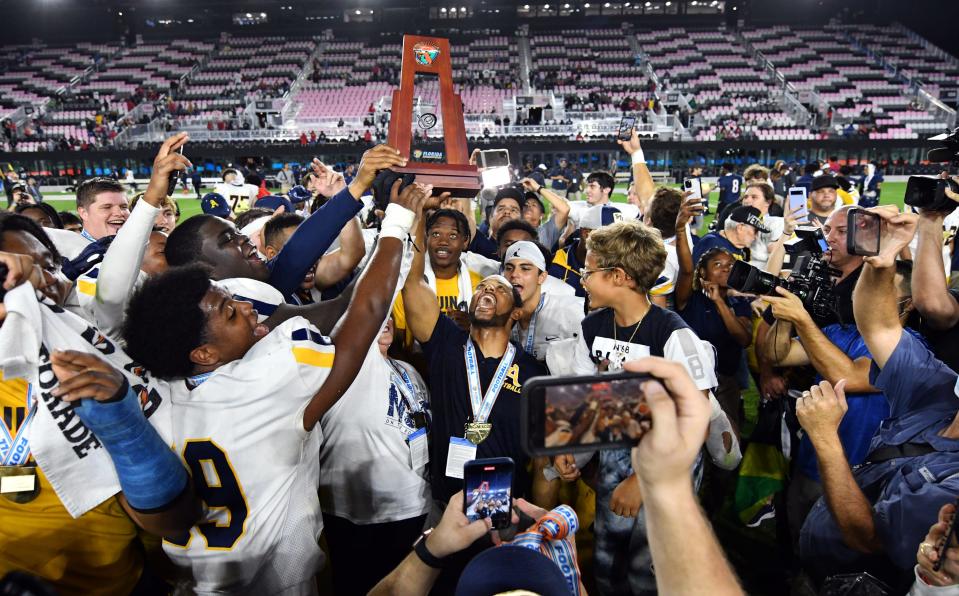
(930, 295)
(645, 187)
(335, 266)
(875, 298)
(419, 299)
(315, 235)
(684, 252)
(372, 300)
(559, 205)
(121, 263)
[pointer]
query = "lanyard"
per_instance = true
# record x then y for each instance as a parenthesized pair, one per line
(401, 379)
(531, 332)
(87, 235)
(15, 451)
(197, 380)
(483, 406)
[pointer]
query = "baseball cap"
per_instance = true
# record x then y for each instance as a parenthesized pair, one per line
(541, 166)
(274, 202)
(525, 250)
(506, 568)
(824, 181)
(749, 216)
(299, 194)
(510, 192)
(530, 197)
(598, 216)
(213, 203)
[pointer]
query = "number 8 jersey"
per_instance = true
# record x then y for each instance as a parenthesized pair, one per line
(240, 432)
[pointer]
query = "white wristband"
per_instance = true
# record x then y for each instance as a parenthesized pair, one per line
(638, 157)
(397, 221)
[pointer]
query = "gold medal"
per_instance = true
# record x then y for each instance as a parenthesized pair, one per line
(19, 483)
(476, 432)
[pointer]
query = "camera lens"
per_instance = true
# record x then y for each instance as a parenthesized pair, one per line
(746, 278)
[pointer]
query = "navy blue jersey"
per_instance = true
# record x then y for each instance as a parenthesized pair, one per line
(730, 185)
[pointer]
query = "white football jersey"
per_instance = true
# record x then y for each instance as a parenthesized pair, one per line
(241, 434)
(240, 197)
(560, 318)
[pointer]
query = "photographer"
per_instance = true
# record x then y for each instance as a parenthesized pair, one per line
(938, 305)
(549, 231)
(880, 513)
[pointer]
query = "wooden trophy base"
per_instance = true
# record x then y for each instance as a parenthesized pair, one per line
(461, 181)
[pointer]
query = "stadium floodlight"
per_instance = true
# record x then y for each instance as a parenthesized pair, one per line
(626, 5)
(262, 15)
(189, 20)
(606, 5)
(463, 9)
(566, 6)
(443, 9)
(453, 9)
(546, 7)
(648, 4)
(669, 4)
(586, 5)
(249, 16)
(359, 12)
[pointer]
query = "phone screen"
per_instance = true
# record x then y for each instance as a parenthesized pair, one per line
(695, 186)
(488, 489)
(494, 158)
(569, 414)
(862, 233)
(496, 177)
(797, 200)
(626, 126)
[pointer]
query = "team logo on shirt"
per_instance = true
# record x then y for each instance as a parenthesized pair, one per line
(513, 376)
(399, 415)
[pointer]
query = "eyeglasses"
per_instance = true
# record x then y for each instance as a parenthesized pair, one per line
(585, 273)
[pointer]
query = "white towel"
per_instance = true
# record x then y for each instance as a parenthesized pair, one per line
(464, 281)
(73, 460)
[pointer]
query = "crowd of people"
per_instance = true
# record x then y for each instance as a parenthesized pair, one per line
(323, 362)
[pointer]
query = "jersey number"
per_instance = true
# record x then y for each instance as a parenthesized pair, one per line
(215, 482)
(735, 187)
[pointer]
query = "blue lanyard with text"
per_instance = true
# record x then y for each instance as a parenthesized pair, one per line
(400, 378)
(15, 451)
(482, 406)
(531, 332)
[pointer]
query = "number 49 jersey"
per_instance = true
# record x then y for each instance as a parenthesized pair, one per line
(256, 469)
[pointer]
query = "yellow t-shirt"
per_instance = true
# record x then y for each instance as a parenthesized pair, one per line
(95, 554)
(447, 293)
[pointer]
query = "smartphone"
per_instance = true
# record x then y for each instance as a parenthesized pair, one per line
(488, 490)
(797, 199)
(174, 177)
(626, 126)
(493, 158)
(945, 541)
(570, 414)
(862, 232)
(695, 186)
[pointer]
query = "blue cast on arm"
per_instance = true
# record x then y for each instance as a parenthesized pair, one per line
(151, 475)
(310, 241)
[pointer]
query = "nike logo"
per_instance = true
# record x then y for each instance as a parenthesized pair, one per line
(552, 337)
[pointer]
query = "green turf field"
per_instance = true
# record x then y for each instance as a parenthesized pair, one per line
(892, 192)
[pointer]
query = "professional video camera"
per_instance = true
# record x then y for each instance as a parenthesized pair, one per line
(811, 278)
(930, 193)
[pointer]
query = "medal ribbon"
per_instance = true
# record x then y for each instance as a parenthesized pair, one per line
(400, 378)
(483, 406)
(531, 332)
(87, 235)
(11, 452)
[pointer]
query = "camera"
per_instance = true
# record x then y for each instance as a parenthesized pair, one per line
(811, 279)
(930, 193)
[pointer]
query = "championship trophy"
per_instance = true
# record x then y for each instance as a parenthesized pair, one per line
(430, 57)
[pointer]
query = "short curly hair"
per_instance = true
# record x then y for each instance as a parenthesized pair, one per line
(185, 242)
(164, 321)
(632, 246)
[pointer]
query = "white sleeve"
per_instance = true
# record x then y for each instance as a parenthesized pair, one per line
(921, 588)
(480, 264)
(121, 266)
(685, 347)
(718, 426)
